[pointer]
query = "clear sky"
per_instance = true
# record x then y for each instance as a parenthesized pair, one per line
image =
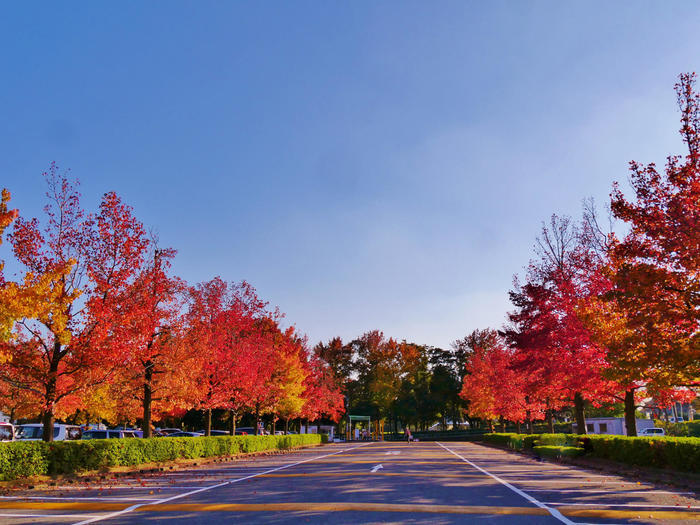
(365, 165)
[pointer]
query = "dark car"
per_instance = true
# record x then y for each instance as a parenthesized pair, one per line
(245, 431)
(216, 432)
(168, 431)
(184, 434)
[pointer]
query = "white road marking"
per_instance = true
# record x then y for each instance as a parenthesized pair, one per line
(554, 512)
(211, 487)
(392, 453)
(377, 467)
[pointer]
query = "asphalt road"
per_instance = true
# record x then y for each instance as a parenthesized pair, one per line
(436, 483)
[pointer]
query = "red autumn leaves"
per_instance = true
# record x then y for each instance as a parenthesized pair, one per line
(601, 315)
(98, 323)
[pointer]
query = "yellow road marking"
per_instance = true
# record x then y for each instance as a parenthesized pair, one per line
(365, 474)
(354, 506)
(406, 461)
(577, 512)
(349, 506)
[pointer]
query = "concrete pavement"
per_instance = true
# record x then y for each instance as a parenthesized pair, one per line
(362, 483)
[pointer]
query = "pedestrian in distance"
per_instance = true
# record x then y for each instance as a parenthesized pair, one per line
(409, 436)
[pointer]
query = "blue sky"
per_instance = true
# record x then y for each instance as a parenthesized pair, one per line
(363, 164)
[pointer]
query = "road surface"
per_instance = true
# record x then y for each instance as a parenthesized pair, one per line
(427, 482)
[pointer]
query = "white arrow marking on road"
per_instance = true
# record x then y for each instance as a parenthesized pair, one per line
(393, 452)
(376, 468)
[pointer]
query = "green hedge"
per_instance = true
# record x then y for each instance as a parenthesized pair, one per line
(676, 453)
(554, 451)
(685, 429)
(24, 459)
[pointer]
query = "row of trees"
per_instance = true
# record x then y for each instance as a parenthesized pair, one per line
(603, 316)
(400, 382)
(97, 322)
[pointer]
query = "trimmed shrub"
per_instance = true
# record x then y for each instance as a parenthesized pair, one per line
(21, 460)
(571, 440)
(24, 459)
(514, 441)
(554, 451)
(687, 428)
(676, 453)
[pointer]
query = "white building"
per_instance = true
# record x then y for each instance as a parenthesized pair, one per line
(612, 425)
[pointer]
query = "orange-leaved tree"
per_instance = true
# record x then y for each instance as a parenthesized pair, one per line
(77, 268)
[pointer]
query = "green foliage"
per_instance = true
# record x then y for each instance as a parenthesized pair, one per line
(687, 428)
(512, 440)
(25, 459)
(677, 453)
(21, 460)
(542, 428)
(570, 440)
(557, 451)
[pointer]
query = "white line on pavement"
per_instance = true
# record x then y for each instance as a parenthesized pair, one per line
(204, 489)
(554, 512)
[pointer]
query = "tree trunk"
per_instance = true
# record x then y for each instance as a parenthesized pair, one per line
(528, 417)
(550, 421)
(286, 426)
(580, 414)
(207, 423)
(630, 420)
(147, 398)
(503, 423)
(274, 423)
(518, 427)
(490, 425)
(232, 414)
(50, 395)
(257, 419)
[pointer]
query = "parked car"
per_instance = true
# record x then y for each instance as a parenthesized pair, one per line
(137, 431)
(654, 431)
(215, 432)
(245, 431)
(676, 419)
(108, 434)
(35, 432)
(184, 434)
(7, 432)
(168, 431)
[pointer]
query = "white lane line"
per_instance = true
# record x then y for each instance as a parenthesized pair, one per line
(554, 512)
(377, 467)
(633, 505)
(211, 487)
